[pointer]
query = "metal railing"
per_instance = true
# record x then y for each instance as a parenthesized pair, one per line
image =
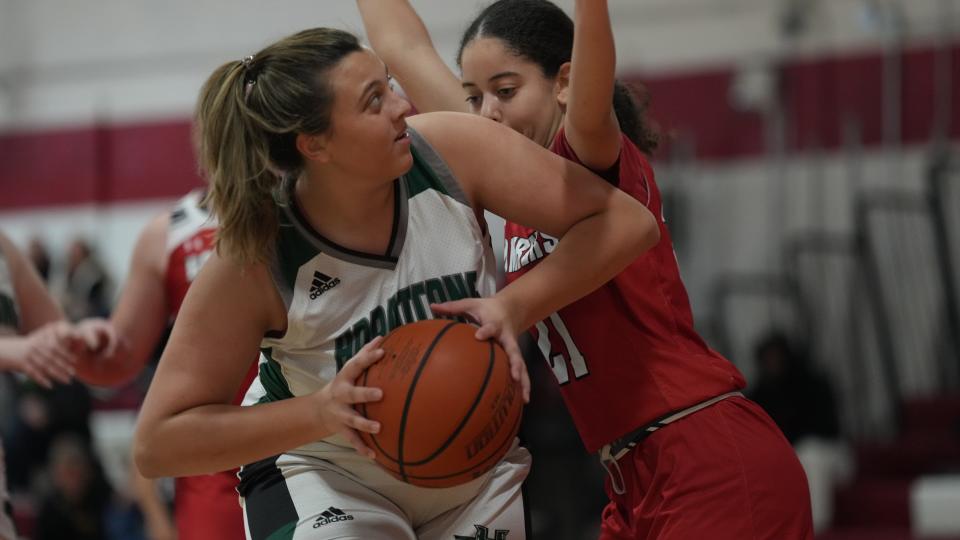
(943, 178)
(822, 268)
(879, 309)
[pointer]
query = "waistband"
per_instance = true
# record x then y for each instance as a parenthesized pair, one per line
(611, 453)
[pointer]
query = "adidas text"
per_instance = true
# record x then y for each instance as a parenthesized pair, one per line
(321, 284)
(331, 515)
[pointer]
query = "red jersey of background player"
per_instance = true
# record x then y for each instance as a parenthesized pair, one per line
(190, 237)
(206, 506)
(627, 353)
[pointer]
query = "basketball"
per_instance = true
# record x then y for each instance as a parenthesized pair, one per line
(450, 409)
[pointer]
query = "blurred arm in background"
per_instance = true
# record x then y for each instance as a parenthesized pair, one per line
(122, 347)
(41, 348)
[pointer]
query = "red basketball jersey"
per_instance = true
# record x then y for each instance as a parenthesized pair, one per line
(189, 243)
(627, 353)
(207, 506)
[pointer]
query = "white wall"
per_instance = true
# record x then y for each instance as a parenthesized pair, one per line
(737, 223)
(67, 62)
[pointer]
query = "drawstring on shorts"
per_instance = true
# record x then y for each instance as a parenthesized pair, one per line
(611, 453)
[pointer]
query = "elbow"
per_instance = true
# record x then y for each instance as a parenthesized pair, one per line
(649, 232)
(146, 457)
(653, 235)
(391, 49)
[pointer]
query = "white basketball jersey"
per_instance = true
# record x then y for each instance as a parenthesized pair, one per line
(337, 299)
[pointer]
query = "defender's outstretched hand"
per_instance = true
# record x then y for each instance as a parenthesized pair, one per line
(495, 323)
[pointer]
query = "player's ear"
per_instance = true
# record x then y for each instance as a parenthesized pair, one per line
(313, 147)
(562, 84)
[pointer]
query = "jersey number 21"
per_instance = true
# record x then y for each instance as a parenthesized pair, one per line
(558, 348)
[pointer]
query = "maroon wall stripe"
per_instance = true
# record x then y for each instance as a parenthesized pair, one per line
(695, 107)
(96, 165)
(821, 95)
(107, 164)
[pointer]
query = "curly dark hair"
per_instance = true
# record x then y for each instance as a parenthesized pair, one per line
(542, 33)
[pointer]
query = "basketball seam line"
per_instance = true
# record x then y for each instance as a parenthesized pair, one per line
(413, 386)
(466, 417)
(506, 441)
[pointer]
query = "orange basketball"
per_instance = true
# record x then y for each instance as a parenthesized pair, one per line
(450, 409)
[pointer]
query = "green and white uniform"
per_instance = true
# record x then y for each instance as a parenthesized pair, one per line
(337, 300)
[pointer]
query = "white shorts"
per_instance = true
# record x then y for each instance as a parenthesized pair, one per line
(7, 531)
(303, 497)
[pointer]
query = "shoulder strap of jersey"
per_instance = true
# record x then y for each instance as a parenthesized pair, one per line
(430, 171)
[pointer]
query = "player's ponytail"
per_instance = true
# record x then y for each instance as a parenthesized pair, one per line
(630, 102)
(249, 114)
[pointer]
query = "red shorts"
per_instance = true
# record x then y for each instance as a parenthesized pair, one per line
(725, 472)
(208, 507)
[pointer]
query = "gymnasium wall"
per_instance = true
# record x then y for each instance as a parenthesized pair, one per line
(95, 99)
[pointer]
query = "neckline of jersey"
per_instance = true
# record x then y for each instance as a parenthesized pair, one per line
(397, 235)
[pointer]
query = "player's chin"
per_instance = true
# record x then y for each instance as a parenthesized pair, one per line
(403, 161)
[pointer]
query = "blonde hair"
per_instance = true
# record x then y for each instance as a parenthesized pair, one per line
(248, 117)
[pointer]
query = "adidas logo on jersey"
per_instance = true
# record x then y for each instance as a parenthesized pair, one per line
(483, 533)
(331, 515)
(321, 284)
